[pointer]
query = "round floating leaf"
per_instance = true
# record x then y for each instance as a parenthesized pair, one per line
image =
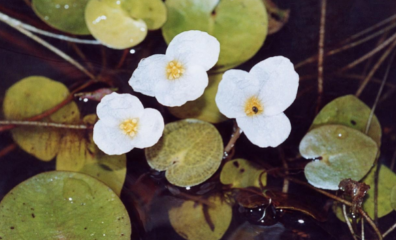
(190, 222)
(110, 24)
(152, 12)
(386, 181)
(393, 197)
(64, 15)
(190, 151)
(63, 205)
(241, 173)
(32, 96)
(78, 154)
(351, 112)
(344, 153)
(239, 25)
(204, 108)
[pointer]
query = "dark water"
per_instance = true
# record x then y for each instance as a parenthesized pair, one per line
(20, 57)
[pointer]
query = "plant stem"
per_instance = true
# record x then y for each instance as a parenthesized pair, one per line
(370, 221)
(234, 137)
(393, 227)
(321, 51)
(44, 124)
(7, 149)
(348, 222)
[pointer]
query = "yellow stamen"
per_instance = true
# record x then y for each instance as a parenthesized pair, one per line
(253, 106)
(129, 127)
(174, 70)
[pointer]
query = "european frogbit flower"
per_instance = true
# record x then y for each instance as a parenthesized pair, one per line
(179, 75)
(257, 99)
(124, 124)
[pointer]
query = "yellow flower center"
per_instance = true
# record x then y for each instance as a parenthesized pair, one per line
(129, 127)
(253, 106)
(174, 70)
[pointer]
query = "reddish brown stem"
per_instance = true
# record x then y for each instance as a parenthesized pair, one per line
(7, 149)
(234, 137)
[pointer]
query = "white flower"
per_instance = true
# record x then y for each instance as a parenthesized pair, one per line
(179, 75)
(257, 99)
(124, 124)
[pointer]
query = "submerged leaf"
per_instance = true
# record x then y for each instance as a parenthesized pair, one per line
(343, 152)
(64, 15)
(190, 151)
(78, 154)
(241, 173)
(239, 25)
(351, 112)
(32, 96)
(152, 12)
(204, 108)
(190, 222)
(63, 205)
(110, 24)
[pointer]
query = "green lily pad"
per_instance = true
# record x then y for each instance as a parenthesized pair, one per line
(110, 24)
(344, 153)
(351, 112)
(189, 220)
(78, 154)
(152, 12)
(32, 96)
(386, 181)
(63, 205)
(386, 187)
(393, 197)
(241, 173)
(190, 151)
(64, 15)
(204, 108)
(239, 25)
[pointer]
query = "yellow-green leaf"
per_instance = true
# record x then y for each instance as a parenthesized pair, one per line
(239, 25)
(152, 12)
(32, 96)
(343, 152)
(190, 151)
(78, 154)
(63, 205)
(110, 24)
(241, 173)
(204, 108)
(64, 15)
(189, 220)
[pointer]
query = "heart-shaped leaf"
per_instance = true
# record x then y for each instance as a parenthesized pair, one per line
(204, 108)
(32, 96)
(344, 153)
(63, 205)
(190, 151)
(239, 25)
(64, 15)
(197, 222)
(241, 173)
(110, 24)
(351, 112)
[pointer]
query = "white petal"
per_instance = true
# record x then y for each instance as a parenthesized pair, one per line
(110, 139)
(116, 107)
(188, 87)
(279, 83)
(194, 47)
(150, 128)
(234, 89)
(149, 71)
(266, 131)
